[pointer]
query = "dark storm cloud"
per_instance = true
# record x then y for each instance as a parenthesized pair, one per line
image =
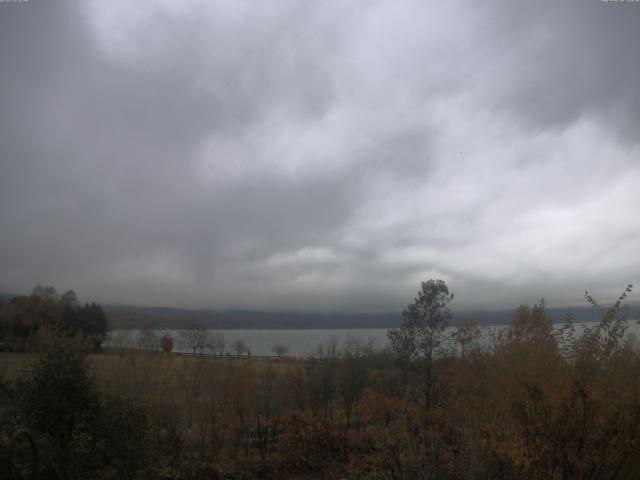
(319, 156)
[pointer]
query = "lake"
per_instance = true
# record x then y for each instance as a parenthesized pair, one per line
(301, 342)
(260, 342)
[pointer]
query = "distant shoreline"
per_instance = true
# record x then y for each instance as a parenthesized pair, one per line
(132, 318)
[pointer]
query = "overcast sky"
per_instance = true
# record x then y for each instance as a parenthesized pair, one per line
(320, 155)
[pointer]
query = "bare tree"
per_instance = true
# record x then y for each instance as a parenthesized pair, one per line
(195, 337)
(320, 373)
(148, 339)
(239, 346)
(280, 349)
(216, 342)
(120, 340)
(353, 374)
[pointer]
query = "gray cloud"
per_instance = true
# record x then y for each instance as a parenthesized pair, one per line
(319, 156)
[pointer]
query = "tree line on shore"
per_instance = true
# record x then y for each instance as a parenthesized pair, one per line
(28, 321)
(536, 402)
(193, 338)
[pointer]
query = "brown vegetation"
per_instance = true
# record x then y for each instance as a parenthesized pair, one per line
(538, 403)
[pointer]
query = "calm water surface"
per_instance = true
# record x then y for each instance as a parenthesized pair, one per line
(301, 342)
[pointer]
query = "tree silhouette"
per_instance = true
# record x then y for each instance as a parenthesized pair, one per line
(422, 331)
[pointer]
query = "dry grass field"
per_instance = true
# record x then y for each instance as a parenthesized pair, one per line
(174, 383)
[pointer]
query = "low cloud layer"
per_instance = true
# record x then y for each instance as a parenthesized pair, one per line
(319, 155)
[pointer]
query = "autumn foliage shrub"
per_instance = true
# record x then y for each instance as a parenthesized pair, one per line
(166, 342)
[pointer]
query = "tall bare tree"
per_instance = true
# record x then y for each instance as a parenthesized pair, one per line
(195, 337)
(216, 342)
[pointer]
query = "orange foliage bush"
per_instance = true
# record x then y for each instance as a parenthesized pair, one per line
(166, 343)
